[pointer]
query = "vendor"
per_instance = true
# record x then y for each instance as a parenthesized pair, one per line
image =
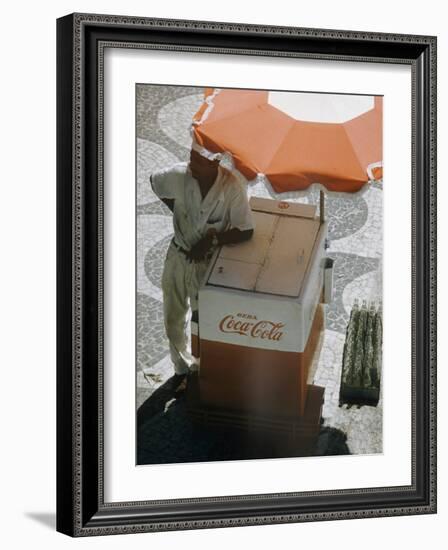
(210, 208)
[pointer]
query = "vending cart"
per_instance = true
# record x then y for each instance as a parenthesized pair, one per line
(260, 320)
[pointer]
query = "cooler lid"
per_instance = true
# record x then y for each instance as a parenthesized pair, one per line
(275, 260)
(288, 256)
(234, 274)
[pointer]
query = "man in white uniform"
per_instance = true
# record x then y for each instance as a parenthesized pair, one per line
(210, 208)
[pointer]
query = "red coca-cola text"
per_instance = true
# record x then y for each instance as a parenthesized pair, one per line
(265, 330)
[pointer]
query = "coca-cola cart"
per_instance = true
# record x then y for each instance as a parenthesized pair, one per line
(260, 321)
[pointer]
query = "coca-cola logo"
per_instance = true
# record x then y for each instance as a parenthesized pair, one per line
(249, 325)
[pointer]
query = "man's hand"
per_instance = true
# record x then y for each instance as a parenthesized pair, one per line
(199, 251)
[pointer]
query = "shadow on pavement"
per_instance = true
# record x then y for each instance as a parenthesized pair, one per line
(156, 402)
(166, 434)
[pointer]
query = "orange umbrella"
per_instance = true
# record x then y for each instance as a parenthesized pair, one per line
(295, 139)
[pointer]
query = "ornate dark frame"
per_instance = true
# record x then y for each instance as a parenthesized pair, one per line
(81, 39)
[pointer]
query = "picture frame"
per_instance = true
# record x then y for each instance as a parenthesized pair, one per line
(81, 506)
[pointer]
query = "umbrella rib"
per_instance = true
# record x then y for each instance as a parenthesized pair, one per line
(361, 167)
(285, 137)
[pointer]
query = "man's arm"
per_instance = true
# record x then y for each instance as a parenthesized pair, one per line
(232, 236)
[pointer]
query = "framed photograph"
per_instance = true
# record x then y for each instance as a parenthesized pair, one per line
(246, 274)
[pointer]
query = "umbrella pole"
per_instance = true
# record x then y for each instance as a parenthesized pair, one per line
(322, 206)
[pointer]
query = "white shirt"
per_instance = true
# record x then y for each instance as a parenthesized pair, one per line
(225, 206)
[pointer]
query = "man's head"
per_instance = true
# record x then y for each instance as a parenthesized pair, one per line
(201, 168)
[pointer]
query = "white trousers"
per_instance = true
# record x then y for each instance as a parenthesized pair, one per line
(180, 285)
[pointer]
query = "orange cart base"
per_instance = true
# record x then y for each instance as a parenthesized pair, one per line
(290, 436)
